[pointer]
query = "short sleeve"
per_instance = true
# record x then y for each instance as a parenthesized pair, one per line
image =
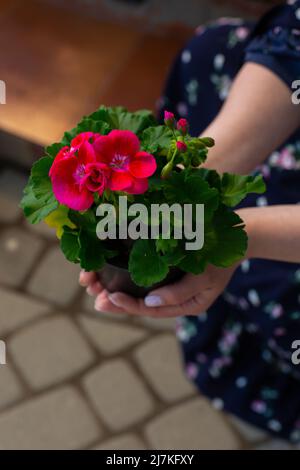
(275, 42)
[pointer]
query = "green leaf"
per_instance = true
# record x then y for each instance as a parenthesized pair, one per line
(59, 219)
(227, 242)
(91, 254)
(171, 249)
(35, 210)
(166, 245)
(156, 138)
(101, 114)
(115, 116)
(69, 244)
(136, 122)
(234, 188)
(68, 136)
(193, 262)
(90, 125)
(187, 187)
(86, 220)
(146, 266)
(41, 183)
(173, 258)
(52, 150)
(211, 176)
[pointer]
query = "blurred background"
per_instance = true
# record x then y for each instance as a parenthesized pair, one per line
(74, 378)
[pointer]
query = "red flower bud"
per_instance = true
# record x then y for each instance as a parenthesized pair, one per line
(183, 126)
(169, 119)
(181, 146)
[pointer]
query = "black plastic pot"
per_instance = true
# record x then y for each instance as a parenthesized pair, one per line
(117, 279)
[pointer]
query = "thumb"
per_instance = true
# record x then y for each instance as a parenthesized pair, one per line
(174, 294)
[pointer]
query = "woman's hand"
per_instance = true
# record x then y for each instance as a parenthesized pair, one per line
(189, 296)
(89, 280)
(273, 233)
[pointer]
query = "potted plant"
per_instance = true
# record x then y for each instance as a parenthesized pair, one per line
(129, 199)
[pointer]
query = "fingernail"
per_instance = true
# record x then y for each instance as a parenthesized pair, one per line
(153, 301)
(114, 298)
(97, 307)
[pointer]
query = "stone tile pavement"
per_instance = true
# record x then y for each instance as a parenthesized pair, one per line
(77, 379)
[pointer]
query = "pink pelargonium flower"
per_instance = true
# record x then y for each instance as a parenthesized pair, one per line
(129, 166)
(75, 175)
(89, 137)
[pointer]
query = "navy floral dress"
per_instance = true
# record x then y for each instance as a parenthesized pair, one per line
(239, 353)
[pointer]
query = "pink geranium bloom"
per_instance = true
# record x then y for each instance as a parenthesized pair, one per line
(75, 175)
(83, 137)
(130, 167)
(75, 145)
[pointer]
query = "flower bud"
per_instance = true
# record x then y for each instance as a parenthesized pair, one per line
(196, 161)
(208, 141)
(166, 171)
(181, 146)
(169, 119)
(183, 126)
(195, 143)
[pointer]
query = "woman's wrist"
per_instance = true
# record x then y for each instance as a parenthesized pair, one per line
(250, 217)
(273, 232)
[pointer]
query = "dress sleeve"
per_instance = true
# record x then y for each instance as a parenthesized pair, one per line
(275, 42)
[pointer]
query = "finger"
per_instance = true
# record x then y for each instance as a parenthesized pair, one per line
(131, 305)
(86, 278)
(94, 289)
(177, 293)
(137, 307)
(103, 304)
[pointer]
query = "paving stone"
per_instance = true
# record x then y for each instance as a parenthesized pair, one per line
(88, 305)
(110, 337)
(274, 444)
(12, 184)
(192, 425)
(160, 361)
(42, 229)
(59, 419)
(18, 252)
(248, 432)
(128, 441)
(10, 387)
(50, 351)
(118, 394)
(55, 279)
(17, 309)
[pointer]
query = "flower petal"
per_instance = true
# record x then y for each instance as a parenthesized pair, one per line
(120, 180)
(139, 186)
(82, 137)
(124, 142)
(65, 188)
(104, 149)
(86, 153)
(63, 153)
(142, 165)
